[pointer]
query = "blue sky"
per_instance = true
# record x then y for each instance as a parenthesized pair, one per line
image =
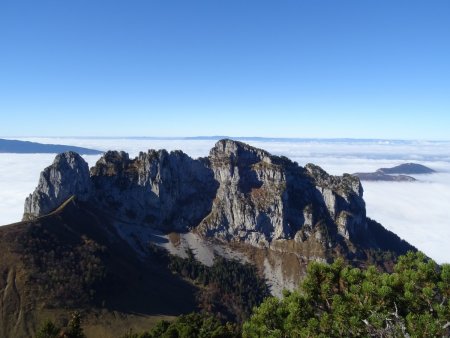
(363, 69)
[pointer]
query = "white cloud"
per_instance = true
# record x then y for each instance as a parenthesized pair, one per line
(418, 212)
(18, 177)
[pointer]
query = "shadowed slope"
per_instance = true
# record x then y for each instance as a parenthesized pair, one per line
(73, 258)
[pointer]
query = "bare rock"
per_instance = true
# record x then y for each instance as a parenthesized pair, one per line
(67, 176)
(168, 191)
(238, 193)
(262, 198)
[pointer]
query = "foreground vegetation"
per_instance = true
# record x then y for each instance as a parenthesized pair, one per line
(73, 329)
(338, 301)
(192, 325)
(230, 289)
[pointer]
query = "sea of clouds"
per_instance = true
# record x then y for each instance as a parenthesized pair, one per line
(417, 211)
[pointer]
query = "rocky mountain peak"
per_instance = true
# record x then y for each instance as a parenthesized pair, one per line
(111, 163)
(68, 175)
(238, 152)
(239, 193)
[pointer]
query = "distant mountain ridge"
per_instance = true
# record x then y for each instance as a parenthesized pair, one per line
(396, 174)
(27, 147)
(379, 176)
(407, 169)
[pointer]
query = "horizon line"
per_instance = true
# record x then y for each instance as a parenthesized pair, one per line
(249, 138)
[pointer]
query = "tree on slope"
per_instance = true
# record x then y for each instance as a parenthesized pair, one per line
(337, 300)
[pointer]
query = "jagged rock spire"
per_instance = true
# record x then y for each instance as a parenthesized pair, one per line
(67, 176)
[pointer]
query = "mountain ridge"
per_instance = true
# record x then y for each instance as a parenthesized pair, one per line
(407, 169)
(399, 173)
(239, 203)
(239, 195)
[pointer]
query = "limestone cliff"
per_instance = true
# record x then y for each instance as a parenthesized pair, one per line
(238, 193)
(168, 191)
(263, 197)
(67, 176)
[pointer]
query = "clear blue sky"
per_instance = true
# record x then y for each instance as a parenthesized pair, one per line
(362, 68)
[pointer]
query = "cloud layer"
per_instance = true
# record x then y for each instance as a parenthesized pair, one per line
(417, 211)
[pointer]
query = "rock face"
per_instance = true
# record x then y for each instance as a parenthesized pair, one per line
(67, 176)
(239, 193)
(343, 197)
(263, 197)
(168, 191)
(250, 200)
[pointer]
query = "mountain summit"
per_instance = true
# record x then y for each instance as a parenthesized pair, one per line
(238, 193)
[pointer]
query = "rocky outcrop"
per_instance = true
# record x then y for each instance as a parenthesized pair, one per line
(249, 203)
(67, 176)
(263, 197)
(238, 193)
(343, 197)
(167, 191)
